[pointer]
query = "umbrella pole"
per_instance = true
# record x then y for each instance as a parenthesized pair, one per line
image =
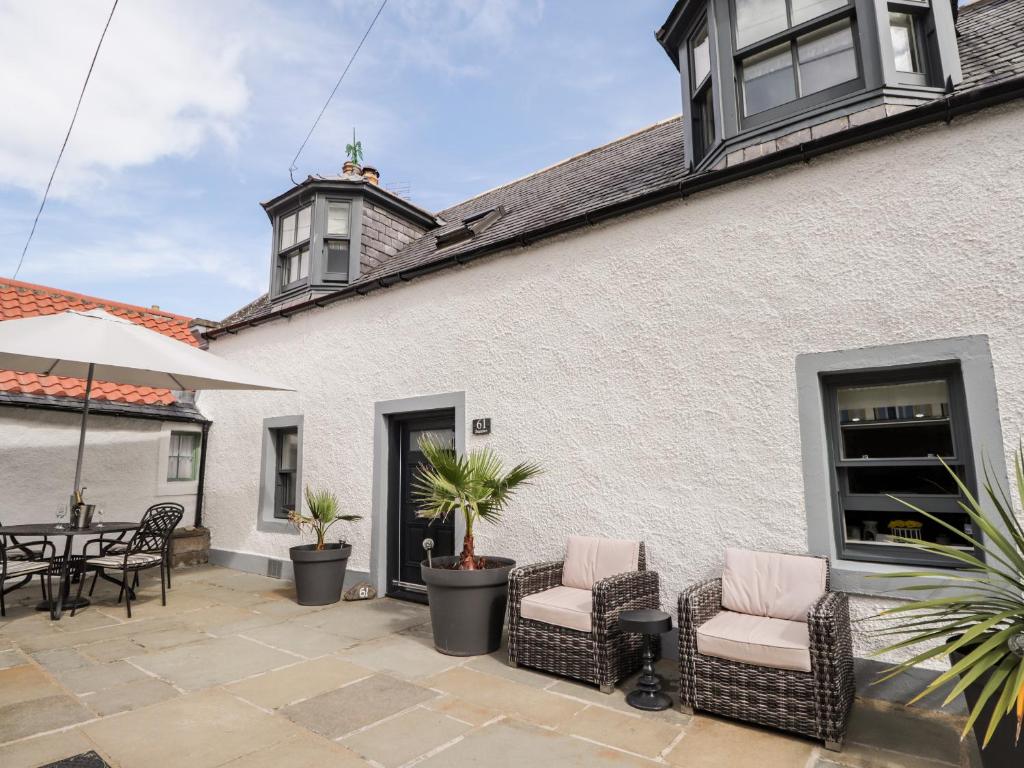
(81, 434)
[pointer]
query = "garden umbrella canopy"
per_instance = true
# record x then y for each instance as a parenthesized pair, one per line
(96, 345)
(118, 350)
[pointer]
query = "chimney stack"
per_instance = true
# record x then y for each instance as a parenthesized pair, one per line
(371, 175)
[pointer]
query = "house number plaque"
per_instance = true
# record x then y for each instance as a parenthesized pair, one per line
(481, 426)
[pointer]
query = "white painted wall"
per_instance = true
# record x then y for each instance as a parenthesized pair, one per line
(649, 363)
(124, 469)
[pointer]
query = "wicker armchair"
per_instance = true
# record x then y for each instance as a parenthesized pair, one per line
(602, 656)
(815, 704)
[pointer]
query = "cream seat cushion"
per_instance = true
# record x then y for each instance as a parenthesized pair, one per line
(770, 584)
(589, 559)
(760, 640)
(562, 606)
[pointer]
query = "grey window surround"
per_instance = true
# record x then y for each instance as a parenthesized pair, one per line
(383, 411)
(986, 441)
(318, 277)
(265, 519)
(878, 80)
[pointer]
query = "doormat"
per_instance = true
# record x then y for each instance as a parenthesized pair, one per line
(84, 760)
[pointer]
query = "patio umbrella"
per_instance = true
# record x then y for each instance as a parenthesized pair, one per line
(96, 345)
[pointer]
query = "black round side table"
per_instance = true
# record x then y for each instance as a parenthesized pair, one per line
(648, 622)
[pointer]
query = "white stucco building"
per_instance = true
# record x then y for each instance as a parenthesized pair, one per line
(143, 445)
(741, 327)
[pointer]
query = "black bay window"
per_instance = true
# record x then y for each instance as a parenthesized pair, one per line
(790, 50)
(889, 436)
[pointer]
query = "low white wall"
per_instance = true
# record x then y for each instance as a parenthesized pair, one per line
(649, 363)
(124, 459)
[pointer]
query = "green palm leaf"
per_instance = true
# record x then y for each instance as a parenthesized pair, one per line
(980, 606)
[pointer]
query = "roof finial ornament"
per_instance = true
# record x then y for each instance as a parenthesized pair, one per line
(354, 152)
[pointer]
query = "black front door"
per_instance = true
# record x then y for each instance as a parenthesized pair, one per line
(406, 531)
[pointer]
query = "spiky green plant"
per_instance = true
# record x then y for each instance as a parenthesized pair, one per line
(354, 151)
(474, 484)
(983, 614)
(323, 513)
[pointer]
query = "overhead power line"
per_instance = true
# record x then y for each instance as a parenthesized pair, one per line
(67, 136)
(293, 167)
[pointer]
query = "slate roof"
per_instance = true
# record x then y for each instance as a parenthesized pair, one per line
(639, 165)
(19, 299)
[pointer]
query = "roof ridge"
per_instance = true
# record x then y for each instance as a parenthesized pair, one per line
(100, 301)
(569, 159)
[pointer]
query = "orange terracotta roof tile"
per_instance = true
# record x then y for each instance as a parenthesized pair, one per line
(19, 299)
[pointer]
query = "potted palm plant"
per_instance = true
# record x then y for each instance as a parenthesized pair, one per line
(319, 568)
(977, 620)
(468, 592)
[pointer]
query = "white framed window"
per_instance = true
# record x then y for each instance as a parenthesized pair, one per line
(183, 457)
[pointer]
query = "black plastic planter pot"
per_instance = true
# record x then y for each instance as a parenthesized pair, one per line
(1001, 751)
(319, 574)
(467, 608)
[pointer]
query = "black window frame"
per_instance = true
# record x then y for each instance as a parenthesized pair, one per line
(937, 504)
(789, 36)
(700, 96)
(281, 496)
(283, 255)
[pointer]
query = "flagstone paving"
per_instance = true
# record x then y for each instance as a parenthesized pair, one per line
(232, 672)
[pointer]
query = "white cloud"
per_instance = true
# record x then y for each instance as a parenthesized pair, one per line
(146, 256)
(168, 78)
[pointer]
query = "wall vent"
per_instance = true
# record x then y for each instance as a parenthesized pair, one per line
(274, 568)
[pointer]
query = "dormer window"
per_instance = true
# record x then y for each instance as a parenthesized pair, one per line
(293, 247)
(759, 76)
(792, 49)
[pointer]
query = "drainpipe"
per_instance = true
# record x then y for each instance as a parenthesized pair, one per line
(198, 522)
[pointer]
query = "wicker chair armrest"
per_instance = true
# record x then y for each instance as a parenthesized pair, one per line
(530, 579)
(828, 627)
(699, 603)
(623, 592)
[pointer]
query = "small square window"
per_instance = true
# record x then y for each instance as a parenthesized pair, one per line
(826, 57)
(758, 19)
(768, 79)
(337, 257)
(338, 217)
(183, 456)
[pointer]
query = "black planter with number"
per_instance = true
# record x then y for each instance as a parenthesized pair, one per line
(467, 608)
(319, 574)
(1001, 751)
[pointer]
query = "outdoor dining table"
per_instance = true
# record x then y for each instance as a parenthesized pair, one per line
(46, 530)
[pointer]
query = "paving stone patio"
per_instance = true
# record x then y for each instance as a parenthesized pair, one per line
(234, 673)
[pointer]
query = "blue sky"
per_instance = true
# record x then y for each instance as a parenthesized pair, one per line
(195, 110)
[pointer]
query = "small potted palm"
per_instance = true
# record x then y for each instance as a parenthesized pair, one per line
(977, 620)
(319, 568)
(468, 592)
